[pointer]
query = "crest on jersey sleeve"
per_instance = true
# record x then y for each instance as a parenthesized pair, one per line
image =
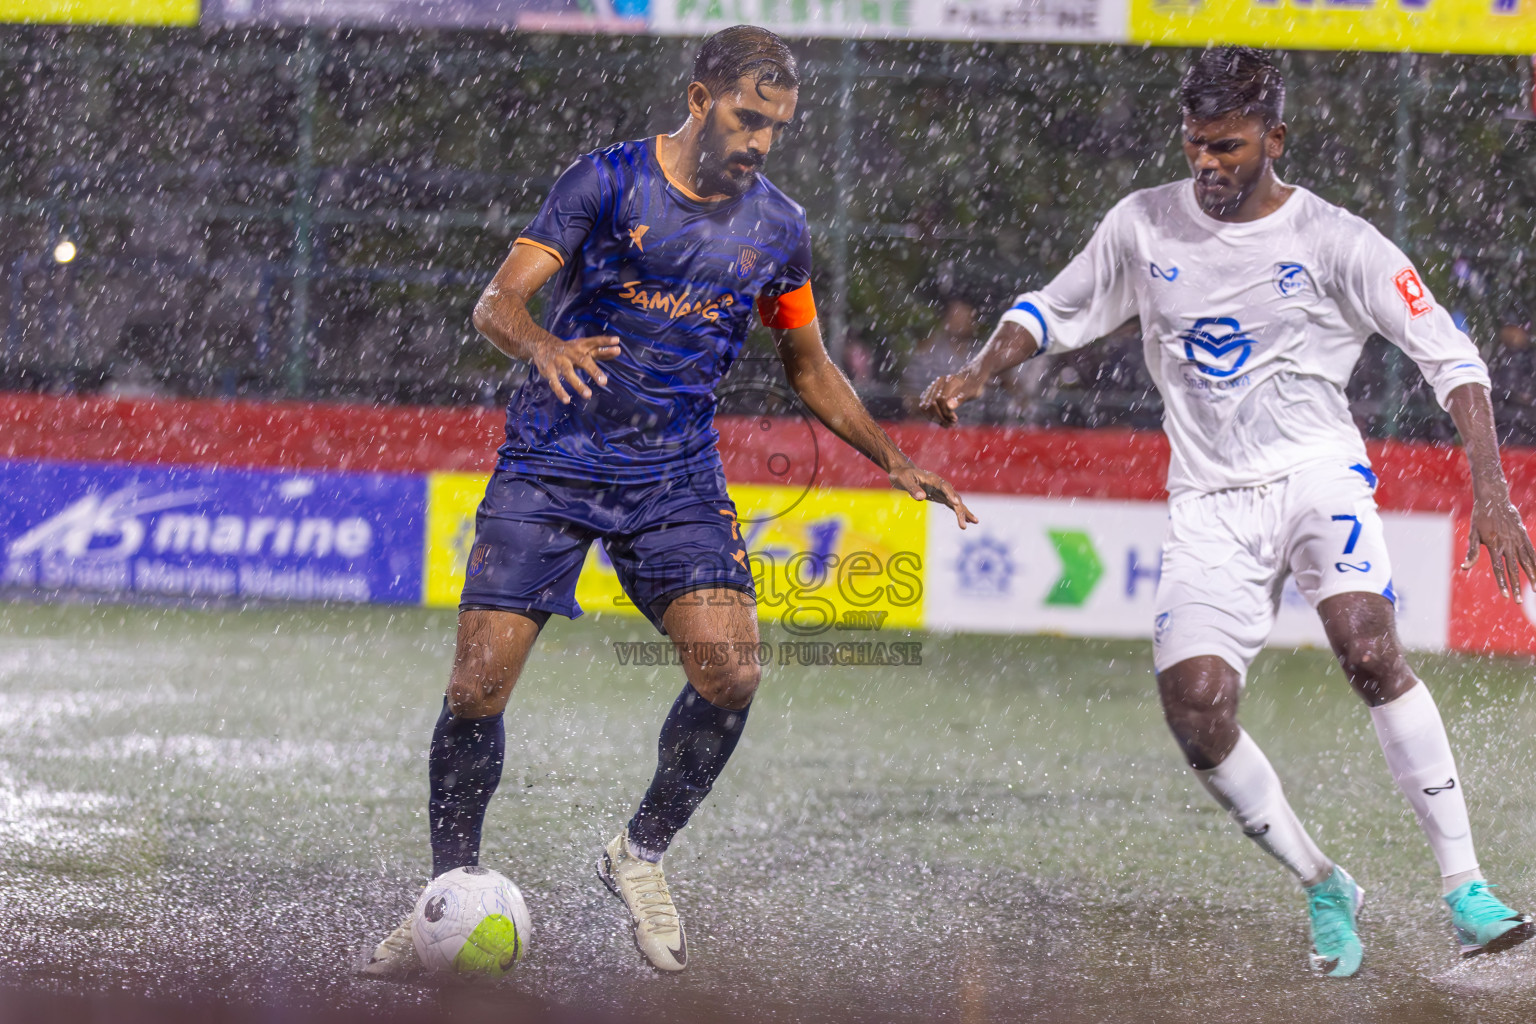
(1292, 279)
(746, 259)
(1217, 346)
(1412, 292)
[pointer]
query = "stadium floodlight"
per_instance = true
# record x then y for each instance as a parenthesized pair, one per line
(65, 251)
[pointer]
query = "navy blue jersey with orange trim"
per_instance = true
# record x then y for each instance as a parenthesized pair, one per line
(675, 278)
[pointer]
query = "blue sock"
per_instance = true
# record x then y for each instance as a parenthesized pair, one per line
(696, 741)
(464, 769)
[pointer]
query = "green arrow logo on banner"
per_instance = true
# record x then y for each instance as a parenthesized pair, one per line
(1080, 568)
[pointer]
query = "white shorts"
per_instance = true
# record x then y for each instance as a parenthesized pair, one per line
(1227, 556)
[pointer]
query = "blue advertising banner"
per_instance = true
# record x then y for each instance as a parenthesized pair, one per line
(187, 532)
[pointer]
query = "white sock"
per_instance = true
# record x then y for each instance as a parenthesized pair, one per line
(1247, 786)
(1419, 757)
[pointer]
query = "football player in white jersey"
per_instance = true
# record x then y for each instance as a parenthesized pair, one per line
(1255, 298)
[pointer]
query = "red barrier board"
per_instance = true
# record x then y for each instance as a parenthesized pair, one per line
(1482, 619)
(1074, 463)
(1120, 464)
(300, 435)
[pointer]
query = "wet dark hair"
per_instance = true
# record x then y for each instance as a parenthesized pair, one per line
(1233, 79)
(745, 51)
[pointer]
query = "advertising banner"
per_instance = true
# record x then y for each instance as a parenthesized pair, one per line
(184, 532)
(823, 559)
(1065, 21)
(451, 501)
(1090, 568)
(832, 559)
(99, 12)
(1083, 21)
(623, 16)
(1072, 520)
(1424, 26)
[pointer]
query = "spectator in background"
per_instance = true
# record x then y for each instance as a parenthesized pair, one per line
(1512, 370)
(1105, 385)
(131, 372)
(132, 379)
(943, 352)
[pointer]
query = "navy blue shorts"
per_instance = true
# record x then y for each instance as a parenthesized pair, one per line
(665, 539)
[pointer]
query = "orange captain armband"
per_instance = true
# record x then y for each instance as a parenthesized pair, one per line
(788, 311)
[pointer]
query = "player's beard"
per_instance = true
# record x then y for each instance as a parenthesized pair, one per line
(722, 172)
(1225, 201)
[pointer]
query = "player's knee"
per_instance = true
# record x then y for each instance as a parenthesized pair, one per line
(471, 695)
(1201, 711)
(1198, 699)
(729, 686)
(1368, 659)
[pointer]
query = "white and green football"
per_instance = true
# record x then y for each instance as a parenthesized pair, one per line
(471, 921)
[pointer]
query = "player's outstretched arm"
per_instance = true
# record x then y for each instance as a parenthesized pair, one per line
(1009, 346)
(1496, 523)
(502, 317)
(827, 393)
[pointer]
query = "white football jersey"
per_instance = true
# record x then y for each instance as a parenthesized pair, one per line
(1250, 330)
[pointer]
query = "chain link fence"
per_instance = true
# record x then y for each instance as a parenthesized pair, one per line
(296, 213)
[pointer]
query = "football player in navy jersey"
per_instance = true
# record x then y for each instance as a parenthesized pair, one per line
(659, 250)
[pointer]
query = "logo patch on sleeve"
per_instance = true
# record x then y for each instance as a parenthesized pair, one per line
(1412, 291)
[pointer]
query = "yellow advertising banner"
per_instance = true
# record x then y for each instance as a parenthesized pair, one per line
(833, 559)
(1424, 26)
(100, 12)
(823, 560)
(451, 502)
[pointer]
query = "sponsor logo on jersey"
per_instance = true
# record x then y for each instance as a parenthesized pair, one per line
(1217, 346)
(746, 259)
(637, 236)
(1413, 292)
(674, 305)
(1167, 275)
(1292, 279)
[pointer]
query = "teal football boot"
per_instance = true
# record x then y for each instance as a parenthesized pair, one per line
(1332, 905)
(1482, 923)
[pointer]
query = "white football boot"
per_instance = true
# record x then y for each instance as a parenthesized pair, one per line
(643, 888)
(395, 957)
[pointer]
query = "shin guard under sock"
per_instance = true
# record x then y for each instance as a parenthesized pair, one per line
(696, 741)
(464, 769)
(1419, 756)
(1247, 786)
